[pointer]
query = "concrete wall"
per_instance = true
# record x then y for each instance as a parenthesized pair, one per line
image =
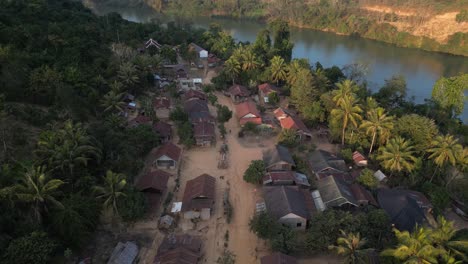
(293, 220)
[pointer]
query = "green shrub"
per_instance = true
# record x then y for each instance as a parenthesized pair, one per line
(288, 138)
(438, 196)
(255, 171)
(35, 248)
(462, 16)
(133, 206)
(367, 179)
(347, 155)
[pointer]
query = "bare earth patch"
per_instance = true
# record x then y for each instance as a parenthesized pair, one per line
(438, 27)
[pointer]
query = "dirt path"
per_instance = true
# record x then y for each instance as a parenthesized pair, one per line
(244, 244)
(243, 195)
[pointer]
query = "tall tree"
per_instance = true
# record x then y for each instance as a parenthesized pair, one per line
(293, 70)
(444, 150)
(350, 246)
(233, 68)
(414, 247)
(397, 155)
(40, 191)
(348, 111)
(277, 69)
(282, 44)
(128, 74)
(250, 61)
(114, 184)
(66, 148)
(262, 46)
(345, 89)
(444, 236)
(450, 93)
(113, 102)
(377, 123)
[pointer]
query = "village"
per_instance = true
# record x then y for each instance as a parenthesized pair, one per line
(200, 205)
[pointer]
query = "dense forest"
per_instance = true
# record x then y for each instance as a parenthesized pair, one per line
(65, 151)
(404, 23)
(68, 159)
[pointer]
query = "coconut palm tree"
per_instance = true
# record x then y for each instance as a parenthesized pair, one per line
(38, 190)
(116, 87)
(128, 74)
(349, 111)
(444, 237)
(112, 102)
(233, 68)
(377, 123)
(345, 89)
(444, 150)
(109, 193)
(249, 60)
(414, 248)
(293, 70)
(67, 148)
(397, 155)
(277, 69)
(349, 246)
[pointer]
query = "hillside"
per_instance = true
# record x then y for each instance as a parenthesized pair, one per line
(427, 24)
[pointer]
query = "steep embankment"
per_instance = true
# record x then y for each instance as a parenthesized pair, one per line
(420, 22)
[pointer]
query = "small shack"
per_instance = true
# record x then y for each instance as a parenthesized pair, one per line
(359, 159)
(380, 176)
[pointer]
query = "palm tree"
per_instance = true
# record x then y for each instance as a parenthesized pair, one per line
(350, 247)
(116, 87)
(250, 61)
(67, 147)
(378, 123)
(277, 69)
(233, 68)
(293, 71)
(114, 183)
(128, 74)
(321, 80)
(445, 150)
(348, 111)
(112, 102)
(345, 88)
(37, 189)
(397, 155)
(414, 248)
(443, 236)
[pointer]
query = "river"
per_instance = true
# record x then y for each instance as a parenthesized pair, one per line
(421, 69)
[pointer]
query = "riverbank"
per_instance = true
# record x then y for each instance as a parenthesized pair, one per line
(456, 44)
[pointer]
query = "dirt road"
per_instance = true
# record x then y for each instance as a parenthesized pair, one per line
(244, 244)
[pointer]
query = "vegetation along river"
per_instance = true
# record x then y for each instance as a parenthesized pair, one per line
(421, 69)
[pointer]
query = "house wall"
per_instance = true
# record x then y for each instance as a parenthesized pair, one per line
(203, 54)
(191, 215)
(293, 221)
(204, 141)
(162, 162)
(203, 214)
